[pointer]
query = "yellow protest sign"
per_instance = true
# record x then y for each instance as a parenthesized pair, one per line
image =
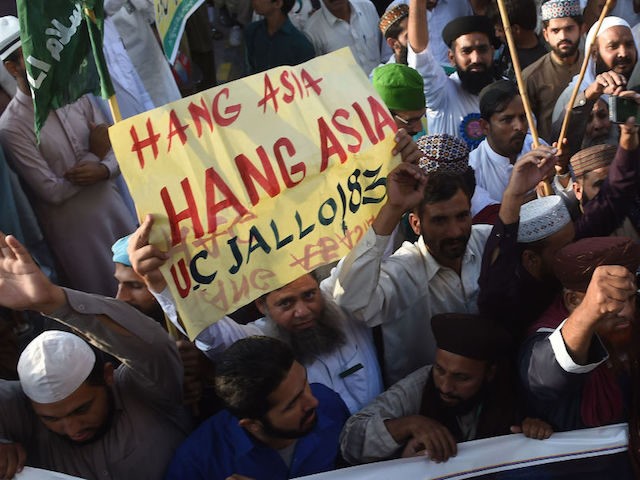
(171, 17)
(256, 182)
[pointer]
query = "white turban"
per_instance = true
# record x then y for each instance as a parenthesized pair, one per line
(607, 23)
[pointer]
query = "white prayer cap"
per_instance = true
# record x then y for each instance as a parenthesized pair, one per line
(607, 23)
(542, 218)
(9, 36)
(54, 365)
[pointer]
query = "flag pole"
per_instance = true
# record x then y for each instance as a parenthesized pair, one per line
(506, 25)
(113, 102)
(583, 70)
(115, 109)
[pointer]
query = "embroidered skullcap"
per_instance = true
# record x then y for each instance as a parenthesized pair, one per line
(591, 158)
(574, 264)
(392, 16)
(471, 336)
(9, 36)
(560, 9)
(469, 24)
(401, 87)
(494, 95)
(54, 365)
(607, 23)
(541, 218)
(443, 153)
(119, 250)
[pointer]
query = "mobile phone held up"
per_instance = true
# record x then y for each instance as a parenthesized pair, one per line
(621, 108)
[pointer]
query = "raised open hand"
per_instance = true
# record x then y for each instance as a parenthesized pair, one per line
(23, 286)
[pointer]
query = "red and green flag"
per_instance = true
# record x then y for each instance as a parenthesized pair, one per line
(62, 48)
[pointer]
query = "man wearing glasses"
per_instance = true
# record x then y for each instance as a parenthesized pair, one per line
(401, 89)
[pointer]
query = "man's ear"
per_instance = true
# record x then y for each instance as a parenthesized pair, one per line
(391, 42)
(108, 374)
(531, 262)
(261, 304)
(452, 59)
(577, 189)
(484, 125)
(11, 68)
(545, 35)
(250, 425)
(414, 223)
(572, 299)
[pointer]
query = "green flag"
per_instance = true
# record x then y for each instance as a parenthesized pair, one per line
(62, 48)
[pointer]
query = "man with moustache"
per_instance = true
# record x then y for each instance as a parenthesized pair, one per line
(393, 26)
(336, 349)
(504, 123)
(436, 274)
(546, 78)
(71, 412)
(275, 426)
(439, 14)
(452, 102)
(467, 394)
(612, 61)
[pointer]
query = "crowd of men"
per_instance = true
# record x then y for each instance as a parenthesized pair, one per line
(477, 304)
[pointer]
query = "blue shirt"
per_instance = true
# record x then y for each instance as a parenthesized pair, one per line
(287, 46)
(220, 447)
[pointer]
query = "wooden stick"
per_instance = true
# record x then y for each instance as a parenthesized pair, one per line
(115, 109)
(506, 25)
(518, 71)
(583, 70)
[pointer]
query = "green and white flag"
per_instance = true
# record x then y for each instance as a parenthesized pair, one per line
(62, 47)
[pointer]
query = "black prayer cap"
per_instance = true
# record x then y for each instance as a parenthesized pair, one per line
(471, 336)
(469, 24)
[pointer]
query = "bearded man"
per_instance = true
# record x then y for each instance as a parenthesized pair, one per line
(504, 122)
(452, 102)
(546, 78)
(468, 393)
(613, 58)
(275, 425)
(336, 349)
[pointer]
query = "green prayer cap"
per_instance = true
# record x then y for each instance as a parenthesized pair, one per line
(401, 87)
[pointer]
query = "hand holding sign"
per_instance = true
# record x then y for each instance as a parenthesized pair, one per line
(146, 259)
(254, 183)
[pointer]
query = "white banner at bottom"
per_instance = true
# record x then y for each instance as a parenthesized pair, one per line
(483, 458)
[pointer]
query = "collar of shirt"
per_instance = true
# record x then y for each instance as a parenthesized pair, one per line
(431, 264)
(287, 27)
(331, 19)
(495, 157)
(24, 99)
